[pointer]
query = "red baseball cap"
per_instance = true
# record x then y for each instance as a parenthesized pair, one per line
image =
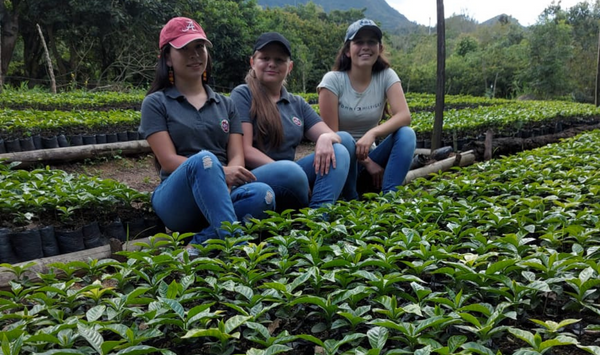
(180, 31)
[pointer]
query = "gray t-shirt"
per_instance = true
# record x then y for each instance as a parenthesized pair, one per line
(358, 112)
(191, 130)
(297, 117)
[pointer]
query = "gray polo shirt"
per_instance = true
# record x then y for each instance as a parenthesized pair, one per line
(191, 130)
(297, 117)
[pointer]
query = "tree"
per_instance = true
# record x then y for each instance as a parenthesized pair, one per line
(231, 25)
(550, 51)
(9, 32)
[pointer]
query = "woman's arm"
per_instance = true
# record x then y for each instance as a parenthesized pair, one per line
(235, 150)
(400, 118)
(253, 156)
(328, 108)
(164, 150)
(324, 139)
(235, 172)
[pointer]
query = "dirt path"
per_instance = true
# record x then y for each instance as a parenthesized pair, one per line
(137, 172)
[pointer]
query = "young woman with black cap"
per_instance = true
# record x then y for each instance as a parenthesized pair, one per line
(275, 122)
(353, 97)
(196, 136)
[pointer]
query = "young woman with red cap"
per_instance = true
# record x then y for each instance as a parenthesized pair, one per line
(196, 136)
(353, 96)
(275, 122)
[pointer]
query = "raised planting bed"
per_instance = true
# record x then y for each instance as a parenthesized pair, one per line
(47, 212)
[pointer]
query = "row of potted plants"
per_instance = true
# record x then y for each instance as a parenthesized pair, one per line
(45, 212)
(507, 119)
(106, 100)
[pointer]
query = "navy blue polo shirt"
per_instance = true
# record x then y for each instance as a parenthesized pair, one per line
(297, 117)
(191, 130)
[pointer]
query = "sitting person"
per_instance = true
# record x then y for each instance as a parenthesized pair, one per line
(353, 96)
(196, 137)
(274, 124)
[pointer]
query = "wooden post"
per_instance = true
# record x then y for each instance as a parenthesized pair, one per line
(438, 124)
(597, 96)
(48, 61)
(1, 73)
(488, 147)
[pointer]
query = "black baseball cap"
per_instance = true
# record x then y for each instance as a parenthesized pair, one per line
(270, 37)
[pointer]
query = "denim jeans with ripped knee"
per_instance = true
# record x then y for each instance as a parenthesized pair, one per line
(195, 198)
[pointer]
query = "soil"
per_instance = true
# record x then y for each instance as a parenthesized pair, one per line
(137, 172)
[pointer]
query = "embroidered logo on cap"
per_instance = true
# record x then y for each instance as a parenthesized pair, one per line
(225, 126)
(190, 27)
(297, 121)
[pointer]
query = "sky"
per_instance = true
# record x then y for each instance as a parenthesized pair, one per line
(424, 12)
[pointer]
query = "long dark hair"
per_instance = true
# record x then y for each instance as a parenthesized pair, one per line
(161, 80)
(344, 63)
(161, 75)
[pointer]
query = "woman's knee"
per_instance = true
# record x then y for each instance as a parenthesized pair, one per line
(253, 199)
(286, 171)
(265, 195)
(348, 142)
(203, 162)
(406, 137)
(342, 157)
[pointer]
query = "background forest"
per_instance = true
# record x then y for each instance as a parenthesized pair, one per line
(98, 44)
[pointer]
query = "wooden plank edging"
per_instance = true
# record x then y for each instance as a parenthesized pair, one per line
(66, 154)
(43, 265)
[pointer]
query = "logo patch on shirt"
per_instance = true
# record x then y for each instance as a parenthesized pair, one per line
(297, 121)
(225, 126)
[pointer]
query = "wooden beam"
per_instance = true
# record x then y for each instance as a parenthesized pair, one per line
(43, 265)
(462, 159)
(81, 152)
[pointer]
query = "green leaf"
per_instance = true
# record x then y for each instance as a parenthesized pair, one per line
(455, 342)
(271, 350)
(424, 351)
(62, 352)
(212, 332)
(234, 322)
(175, 306)
(92, 336)
(377, 336)
(592, 349)
(524, 335)
(245, 291)
(558, 341)
(143, 349)
(94, 313)
(477, 348)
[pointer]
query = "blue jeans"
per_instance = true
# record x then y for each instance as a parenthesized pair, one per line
(291, 181)
(395, 155)
(195, 198)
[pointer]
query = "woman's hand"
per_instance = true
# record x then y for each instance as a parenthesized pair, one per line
(364, 144)
(375, 170)
(237, 175)
(324, 153)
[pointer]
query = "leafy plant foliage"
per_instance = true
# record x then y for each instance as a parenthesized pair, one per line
(498, 258)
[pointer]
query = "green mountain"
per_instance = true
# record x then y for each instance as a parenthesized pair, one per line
(379, 10)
